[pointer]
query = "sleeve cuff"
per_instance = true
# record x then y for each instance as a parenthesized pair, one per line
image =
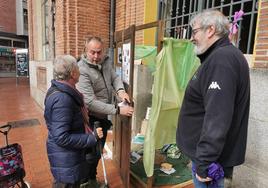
(202, 171)
(120, 89)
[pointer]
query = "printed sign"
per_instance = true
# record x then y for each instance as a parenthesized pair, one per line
(22, 63)
(126, 63)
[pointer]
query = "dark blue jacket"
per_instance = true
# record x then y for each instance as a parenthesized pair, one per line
(67, 140)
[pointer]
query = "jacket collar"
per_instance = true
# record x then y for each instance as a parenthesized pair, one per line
(65, 88)
(93, 65)
(224, 41)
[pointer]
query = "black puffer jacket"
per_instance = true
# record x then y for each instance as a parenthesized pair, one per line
(66, 140)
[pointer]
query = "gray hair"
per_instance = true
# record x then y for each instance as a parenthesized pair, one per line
(92, 38)
(212, 17)
(63, 66)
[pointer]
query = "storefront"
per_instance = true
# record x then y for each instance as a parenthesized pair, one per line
(7, 62)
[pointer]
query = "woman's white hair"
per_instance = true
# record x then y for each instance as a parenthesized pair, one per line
(63, 66)
(212, 17)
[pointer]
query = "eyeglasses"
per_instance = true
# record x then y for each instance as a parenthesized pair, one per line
(195, 31)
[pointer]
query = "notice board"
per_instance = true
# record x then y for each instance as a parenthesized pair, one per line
(22, 63)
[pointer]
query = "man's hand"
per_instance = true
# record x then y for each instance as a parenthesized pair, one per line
(99, 132)
(207, 179)
(126, 110)
(123, 95)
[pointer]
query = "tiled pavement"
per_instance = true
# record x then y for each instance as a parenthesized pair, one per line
(16, 104)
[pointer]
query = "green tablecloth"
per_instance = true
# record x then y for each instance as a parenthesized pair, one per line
(182, 174)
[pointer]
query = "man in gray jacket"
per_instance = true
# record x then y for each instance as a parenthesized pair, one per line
(97, 81)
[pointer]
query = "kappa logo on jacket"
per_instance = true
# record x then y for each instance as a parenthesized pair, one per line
(214, 85)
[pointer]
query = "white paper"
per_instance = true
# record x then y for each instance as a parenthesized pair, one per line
(171, 171)
(126, 63)
(134, 157)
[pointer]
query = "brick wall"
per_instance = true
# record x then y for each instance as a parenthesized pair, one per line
(77, 19)
(261, 44)
(130, 12)
(74, 21)
(8, 16)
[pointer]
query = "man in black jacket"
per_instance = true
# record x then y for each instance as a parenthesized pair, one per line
(213, 121)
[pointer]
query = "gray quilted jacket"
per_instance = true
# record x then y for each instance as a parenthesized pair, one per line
(97, 82)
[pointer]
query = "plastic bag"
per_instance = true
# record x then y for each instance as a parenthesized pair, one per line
(175, 65)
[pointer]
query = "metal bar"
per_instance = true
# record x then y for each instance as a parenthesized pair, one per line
(207, 4)
(231, 10)
(251, 25)
(170, 13)
(183, 11)
(234, 3)
(171, 9)
(213, 3)
(188, 26)
(200, 5)
(222, 3)
(195, 5)
(177, 12)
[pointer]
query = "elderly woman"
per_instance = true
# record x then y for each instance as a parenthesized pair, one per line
(67, 122)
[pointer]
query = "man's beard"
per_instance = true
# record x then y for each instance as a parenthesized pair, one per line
(199, 49)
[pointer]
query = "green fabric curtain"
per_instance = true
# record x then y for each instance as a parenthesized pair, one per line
(174, 66)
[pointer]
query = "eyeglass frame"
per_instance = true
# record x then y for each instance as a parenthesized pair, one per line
(195, 31)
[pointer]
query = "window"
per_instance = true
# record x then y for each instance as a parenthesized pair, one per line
(19, 44)
(5, 42)
(177, 14)
(46, 30)
(25, 19)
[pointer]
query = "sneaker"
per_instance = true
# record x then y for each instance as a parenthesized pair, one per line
(92, 183)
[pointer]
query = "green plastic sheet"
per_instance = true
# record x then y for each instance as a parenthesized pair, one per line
(142, 51)
(174, 66)
(147, 54)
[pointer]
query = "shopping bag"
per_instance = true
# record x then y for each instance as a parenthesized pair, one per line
(10, 160)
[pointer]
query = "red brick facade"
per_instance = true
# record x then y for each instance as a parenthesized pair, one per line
(130, 12)
(261, 43)
(8, 16)
(77, 19)
(74, 21)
